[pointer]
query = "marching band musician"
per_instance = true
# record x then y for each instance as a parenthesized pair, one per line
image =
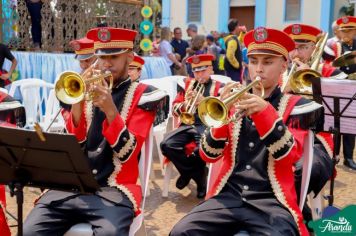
(181, 145)
(111, 128)
(253, 187)
(347, 33)
(12, 114)
(84, 52)
(305, 38)
(135, 68)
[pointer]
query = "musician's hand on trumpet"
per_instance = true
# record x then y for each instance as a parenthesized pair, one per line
(251, 103)
(103, 100)
(228, 90)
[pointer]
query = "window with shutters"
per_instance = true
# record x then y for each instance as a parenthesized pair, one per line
(194, 10)
(292, 10)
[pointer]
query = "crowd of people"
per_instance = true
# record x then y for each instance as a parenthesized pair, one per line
(228, 49)
(255, 147)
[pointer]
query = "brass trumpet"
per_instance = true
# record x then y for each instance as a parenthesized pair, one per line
(188, 116)
(72, 88)
(214, 113)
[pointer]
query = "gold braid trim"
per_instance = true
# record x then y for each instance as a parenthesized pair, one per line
(130, 196)
(211, 150)
(303, 36)
(268, 46)
(280, 143)
(128, 101)
(277, 189)
(325, 144)
(114, 44)
(88, 113)
(200, 64)
(112, 183)
(235, 140)
(85, 51)
(129, 145)
(272, 128)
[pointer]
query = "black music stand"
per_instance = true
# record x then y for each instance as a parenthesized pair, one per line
(333, 108)
(53, 161)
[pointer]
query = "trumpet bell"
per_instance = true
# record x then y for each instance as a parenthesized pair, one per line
(301, 81)
(213, 112)
(70, 87)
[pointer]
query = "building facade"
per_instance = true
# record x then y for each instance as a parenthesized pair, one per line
(211, 15)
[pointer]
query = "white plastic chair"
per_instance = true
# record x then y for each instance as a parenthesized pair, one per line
(169, 85)
(34, 99)
(221, 78)
(52, 108)
(4, 90)
(137, 227)
(14, 86)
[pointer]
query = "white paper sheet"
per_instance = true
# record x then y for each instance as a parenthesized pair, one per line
(345, 89)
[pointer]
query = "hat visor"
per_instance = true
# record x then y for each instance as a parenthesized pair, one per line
(110, 51)
(347, 28)
(83, 57)
(200, 68)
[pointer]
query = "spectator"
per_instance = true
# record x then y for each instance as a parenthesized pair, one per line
(34, 8)
(166, 49)
(4, 75)
(179, 45)
(192, 31)
(214, 50)
(232, 63)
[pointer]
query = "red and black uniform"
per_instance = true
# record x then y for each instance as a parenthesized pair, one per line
(181, 145)
(12, 114)
(112, 151)
(252, 182)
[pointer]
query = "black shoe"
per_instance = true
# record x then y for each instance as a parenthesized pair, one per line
(350, 163)
(200, 180)
(182, 182)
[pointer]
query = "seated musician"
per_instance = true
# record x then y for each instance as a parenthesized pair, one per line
(135, 68)
(181, 146)
(111, 128)
(347, 44)
(12, 114)
(305, 38)
(253, 187)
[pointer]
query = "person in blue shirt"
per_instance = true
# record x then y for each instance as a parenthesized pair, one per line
(179, 45)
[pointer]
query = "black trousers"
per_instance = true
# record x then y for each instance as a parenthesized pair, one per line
(214, 217)
(35, 13)
(322, 170)
(55, 218)
(348, 142)
(173, 148)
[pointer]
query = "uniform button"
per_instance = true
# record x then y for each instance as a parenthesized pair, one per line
(289, 143)
(246, 187)
(244, 199)
(248, 167)
(280, 127)
(98, 150)
(94, 171)
(124, 139)
(251, 144)
(253, 124)
(347, 68)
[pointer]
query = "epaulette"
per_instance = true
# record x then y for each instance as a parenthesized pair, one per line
(307, 114)
(153, 99)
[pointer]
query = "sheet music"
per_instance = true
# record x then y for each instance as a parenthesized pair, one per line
(340, 88)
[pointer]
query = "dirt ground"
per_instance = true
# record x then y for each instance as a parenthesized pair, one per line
(161, 214)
